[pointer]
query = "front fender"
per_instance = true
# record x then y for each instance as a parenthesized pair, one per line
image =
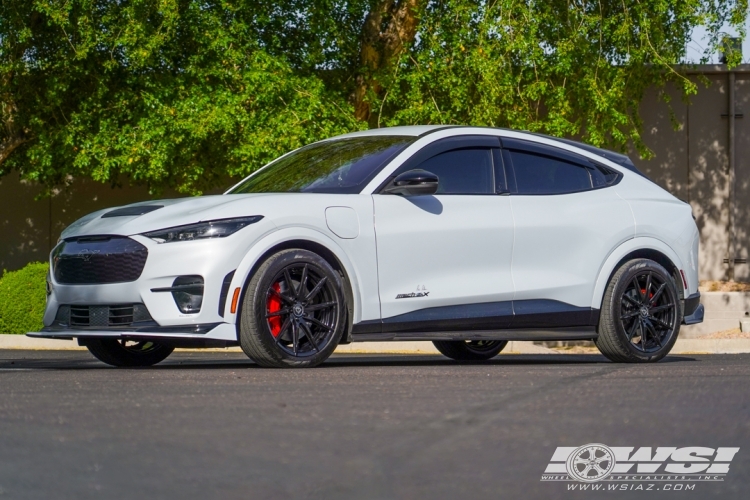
(284, 235)
(639, 243)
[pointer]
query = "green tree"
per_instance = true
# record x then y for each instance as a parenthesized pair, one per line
(184, 93)
(174, 93)
(565, 68)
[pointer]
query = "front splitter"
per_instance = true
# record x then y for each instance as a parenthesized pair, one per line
(220, 331)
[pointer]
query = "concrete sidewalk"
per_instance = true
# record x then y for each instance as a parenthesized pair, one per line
(683, 346)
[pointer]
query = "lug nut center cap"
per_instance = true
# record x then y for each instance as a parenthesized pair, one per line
(644, 312)
(298, 310)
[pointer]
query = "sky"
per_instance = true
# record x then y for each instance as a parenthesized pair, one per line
(697, 45)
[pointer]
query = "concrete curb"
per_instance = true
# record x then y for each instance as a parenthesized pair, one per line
(724, 311)
(682, 346)
(24, 342)
(711, 346)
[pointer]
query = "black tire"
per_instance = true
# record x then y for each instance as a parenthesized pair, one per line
(470, 350)
(117, 352)
(641, 314)
(293, 311)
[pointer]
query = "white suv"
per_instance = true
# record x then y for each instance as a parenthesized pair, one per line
(464, 236)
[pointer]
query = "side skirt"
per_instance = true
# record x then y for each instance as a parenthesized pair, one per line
(562, 333)
(510, 320)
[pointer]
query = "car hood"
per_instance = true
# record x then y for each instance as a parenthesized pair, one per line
(147, 216)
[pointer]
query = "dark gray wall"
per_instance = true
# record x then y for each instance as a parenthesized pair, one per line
(692, 162)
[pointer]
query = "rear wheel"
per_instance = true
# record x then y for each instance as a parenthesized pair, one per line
(470, 350)
(118, 352)
(293, 312)
(641, 314)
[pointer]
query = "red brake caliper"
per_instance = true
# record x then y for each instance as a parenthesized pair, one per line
(274, 305)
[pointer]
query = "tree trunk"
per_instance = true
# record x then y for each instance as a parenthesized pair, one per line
(388, 27)
(13, 136)
(8, 145)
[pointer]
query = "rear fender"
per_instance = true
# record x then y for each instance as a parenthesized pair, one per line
(610, 264)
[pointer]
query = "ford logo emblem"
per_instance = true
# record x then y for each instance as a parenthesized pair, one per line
(86, 254)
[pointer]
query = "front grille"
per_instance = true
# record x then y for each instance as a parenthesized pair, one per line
(102, 316)
(99, 259)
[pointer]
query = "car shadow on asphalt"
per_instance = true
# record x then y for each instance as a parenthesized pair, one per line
(205, 361)
(502, 360)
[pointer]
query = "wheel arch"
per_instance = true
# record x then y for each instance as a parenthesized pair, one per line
(638, 248)
(305, 239)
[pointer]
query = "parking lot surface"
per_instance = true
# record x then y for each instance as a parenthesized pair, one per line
(214, 425)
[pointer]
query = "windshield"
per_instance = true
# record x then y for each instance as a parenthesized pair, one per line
(342, 166)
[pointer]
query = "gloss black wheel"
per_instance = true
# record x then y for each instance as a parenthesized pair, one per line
(648, 312)
(293, 313)
(470, 350)
(301, 309)
(641, 313)
(121, 352)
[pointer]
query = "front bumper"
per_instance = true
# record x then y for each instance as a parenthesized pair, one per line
(212, 259)
(694, 310)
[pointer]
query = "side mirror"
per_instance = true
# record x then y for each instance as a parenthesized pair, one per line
(413, 182)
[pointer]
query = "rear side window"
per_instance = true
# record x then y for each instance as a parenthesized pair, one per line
(541, 174)
(463, 171)
(603, 176)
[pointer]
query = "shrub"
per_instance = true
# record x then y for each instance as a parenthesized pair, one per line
(22, 299)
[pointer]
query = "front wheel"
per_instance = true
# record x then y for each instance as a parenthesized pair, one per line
(293, 311)
(470, 350)
(641, 314)
(127, 353)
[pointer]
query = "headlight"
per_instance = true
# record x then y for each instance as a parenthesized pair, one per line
(209, 229)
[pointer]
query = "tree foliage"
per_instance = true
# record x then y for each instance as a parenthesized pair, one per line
(167, 92)
(183, 93)
(565, 68)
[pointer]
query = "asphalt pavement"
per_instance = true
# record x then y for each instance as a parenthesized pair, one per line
(214, 425)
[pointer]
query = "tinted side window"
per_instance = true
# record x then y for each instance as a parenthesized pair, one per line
(539, 174)
(603, 176)
(462, 171)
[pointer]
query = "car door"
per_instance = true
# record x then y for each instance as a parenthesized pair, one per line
(444, 259)
(568, 218)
